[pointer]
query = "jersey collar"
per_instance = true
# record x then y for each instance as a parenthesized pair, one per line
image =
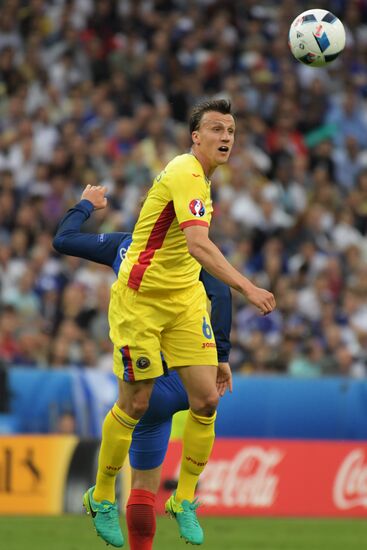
(207, 180)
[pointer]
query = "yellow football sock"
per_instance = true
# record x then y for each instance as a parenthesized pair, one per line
(116, 438)
(198, 439)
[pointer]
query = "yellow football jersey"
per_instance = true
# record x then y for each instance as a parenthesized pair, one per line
(158, 258)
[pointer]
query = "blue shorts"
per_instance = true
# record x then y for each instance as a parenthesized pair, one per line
(151, 435)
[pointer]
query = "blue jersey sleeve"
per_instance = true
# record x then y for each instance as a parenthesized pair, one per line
(220, 297)
(101, 248)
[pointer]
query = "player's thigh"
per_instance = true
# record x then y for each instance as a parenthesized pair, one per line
(200, 383)
(190, 339)
(149, 444)
(135, 330)
(148, 480)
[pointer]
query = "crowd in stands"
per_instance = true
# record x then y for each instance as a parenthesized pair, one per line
(99, 92)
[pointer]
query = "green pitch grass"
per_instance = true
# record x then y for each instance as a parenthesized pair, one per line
(76, 533)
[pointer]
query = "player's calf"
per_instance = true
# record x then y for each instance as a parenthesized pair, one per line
(140, 518)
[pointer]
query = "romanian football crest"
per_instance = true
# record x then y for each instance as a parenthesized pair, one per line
(142, 363)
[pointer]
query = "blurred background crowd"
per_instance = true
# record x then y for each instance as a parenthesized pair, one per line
(99, 92)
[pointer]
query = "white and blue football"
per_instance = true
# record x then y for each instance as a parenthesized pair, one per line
(316, 37)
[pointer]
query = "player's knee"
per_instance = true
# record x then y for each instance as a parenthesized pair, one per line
(138, 407)
(134, 400)
(207, 406)
(134, 405)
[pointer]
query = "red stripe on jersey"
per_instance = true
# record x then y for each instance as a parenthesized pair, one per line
(154, 242)
(193, 222)
(128, 364)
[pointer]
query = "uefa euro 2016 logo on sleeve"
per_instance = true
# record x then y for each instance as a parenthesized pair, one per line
(197, 208)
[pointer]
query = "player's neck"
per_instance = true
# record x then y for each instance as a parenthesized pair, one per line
(207, 168)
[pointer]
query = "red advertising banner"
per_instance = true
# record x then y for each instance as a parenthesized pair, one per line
(277, 478)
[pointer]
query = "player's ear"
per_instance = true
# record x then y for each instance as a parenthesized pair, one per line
(195, 137)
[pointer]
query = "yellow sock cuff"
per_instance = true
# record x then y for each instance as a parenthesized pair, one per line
(203, 419)
(123, 418)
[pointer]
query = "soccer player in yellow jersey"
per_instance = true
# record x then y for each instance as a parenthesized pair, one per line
(158, 305)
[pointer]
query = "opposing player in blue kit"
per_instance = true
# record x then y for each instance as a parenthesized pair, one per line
(150, 437)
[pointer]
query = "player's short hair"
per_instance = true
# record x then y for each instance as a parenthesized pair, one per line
(218, 105)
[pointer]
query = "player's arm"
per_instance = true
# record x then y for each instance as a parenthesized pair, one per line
(190, 199)
(211, 258)
(90, 246)
(220, 298)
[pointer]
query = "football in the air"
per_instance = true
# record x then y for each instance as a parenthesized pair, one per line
(316, 37)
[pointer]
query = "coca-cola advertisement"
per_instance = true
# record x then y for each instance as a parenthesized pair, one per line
(277, 478)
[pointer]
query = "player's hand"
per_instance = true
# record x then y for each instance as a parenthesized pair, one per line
(261, 298)
(224, 378)
(96, 195)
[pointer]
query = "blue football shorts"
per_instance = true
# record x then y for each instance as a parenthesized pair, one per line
(151, 435)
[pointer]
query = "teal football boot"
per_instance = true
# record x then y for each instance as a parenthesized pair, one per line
(185, 514)
(105, 518)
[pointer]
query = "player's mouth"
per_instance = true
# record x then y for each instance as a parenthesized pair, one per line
(223, 149)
